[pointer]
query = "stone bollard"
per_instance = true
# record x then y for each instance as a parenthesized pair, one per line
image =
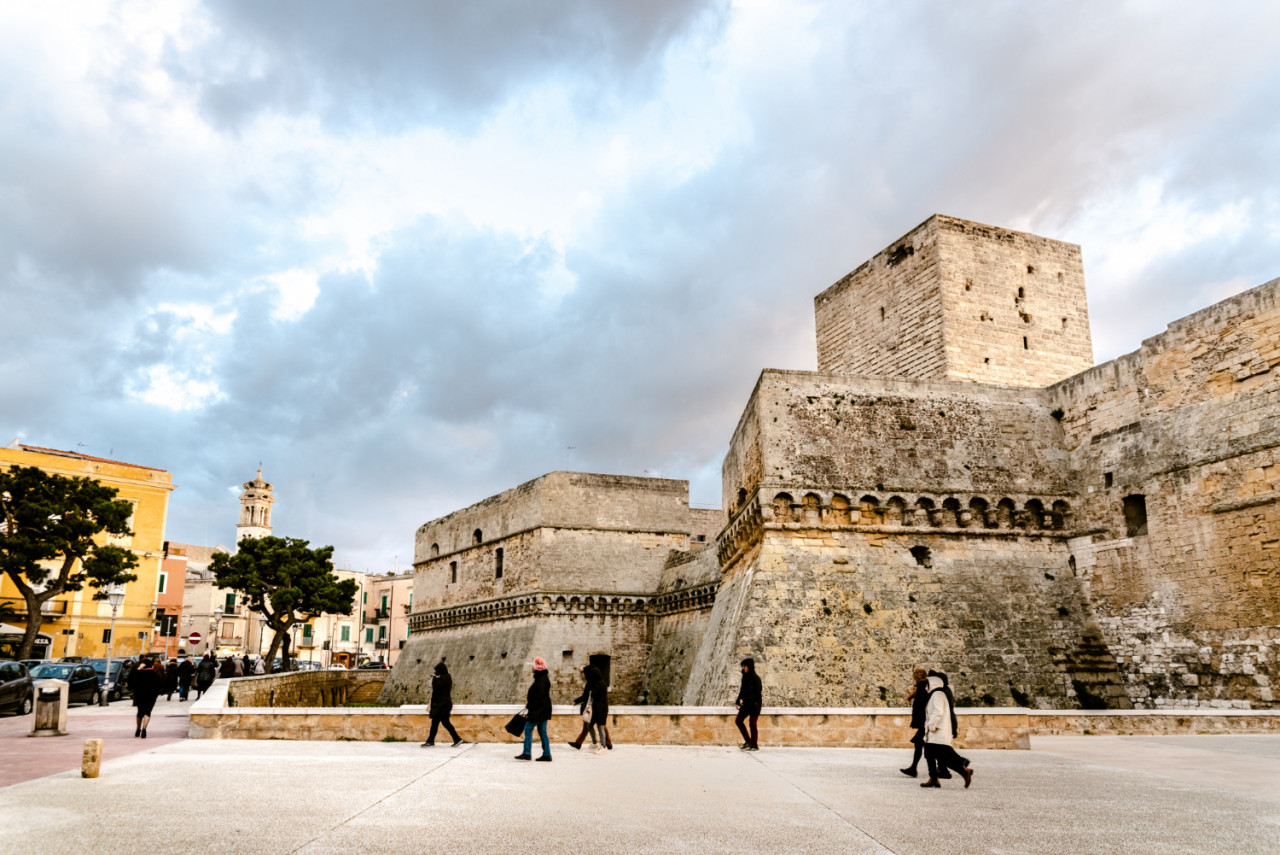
(92, 760)
(50, 717)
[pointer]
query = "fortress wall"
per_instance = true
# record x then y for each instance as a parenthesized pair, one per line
(706, 522)
(622, 561)
(885, 318)
(477, 571)
(681, 623)
(839, 618)
(482, 674)
(1190, 422)
(742, 468)
(1000, 286)
(885, 436)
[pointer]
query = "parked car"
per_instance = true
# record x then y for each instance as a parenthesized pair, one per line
(379, 666)
(116, 684)
(17, 692)
(34, 663)
(85, 685)
(74, 659)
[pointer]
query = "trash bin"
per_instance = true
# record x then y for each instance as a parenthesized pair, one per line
(50, 717)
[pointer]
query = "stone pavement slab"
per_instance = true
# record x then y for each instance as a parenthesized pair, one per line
(318, 797)
(23, 757)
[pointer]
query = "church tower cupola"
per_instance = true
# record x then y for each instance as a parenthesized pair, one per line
(255, 509)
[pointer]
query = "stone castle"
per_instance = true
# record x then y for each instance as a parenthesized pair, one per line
(957, 486)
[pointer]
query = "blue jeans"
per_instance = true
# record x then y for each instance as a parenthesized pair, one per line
(542, 732)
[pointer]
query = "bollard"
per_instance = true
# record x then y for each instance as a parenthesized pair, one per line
(92, 759)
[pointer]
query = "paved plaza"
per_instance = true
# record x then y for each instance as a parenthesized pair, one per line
(1165, 795)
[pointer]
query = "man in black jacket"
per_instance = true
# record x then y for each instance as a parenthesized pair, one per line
(750, 700)
(919, 698)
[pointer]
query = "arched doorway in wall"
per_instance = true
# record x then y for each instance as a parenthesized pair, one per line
(601, 661)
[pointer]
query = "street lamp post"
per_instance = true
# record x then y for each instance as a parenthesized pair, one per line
(217, 622)
(115, 596)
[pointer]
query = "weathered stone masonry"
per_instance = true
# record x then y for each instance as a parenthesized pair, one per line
(1076, 535)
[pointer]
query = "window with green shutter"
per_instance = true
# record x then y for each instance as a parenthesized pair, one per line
(231, 602)
(368, 635)
(346, 632)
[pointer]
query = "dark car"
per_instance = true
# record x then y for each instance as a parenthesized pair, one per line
(84, 680)
(74, 659)
(373, 666)
(115, 684)
(17, 693)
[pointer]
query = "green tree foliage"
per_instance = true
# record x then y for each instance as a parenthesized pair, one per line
(287, 582)
(47, 544)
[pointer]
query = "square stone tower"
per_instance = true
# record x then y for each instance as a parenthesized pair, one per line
(957, 300)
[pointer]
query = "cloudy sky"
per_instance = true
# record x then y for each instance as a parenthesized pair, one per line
(409, 254)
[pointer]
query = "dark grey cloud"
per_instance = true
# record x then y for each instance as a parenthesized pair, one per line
(409, 62)
(447, 372)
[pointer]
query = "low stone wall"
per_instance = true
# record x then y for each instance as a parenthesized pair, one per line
(307, 689)
(1151, 722)
(849, 728)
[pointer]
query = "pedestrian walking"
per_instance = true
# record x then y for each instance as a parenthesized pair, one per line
(940, 728)
(750, 700)
(441, 705)
(226, 668)
(146, 683)
(918, 697)
(259, 668)
(206, 673)
(170, 678)
(186, 673)
(538, 712)
(237, 666)
(593, 704)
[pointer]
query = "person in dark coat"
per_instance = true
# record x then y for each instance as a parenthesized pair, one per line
(596, 697)
(186, 673)
(170, 679)
(146, 683)
(918, 697)
(750, 701)
(206, 673)
(227, 668)
(441, 705)
(537, 712)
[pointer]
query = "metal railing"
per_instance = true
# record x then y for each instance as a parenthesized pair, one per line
(17, 608)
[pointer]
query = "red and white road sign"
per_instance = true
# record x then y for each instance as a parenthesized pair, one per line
(193, 638)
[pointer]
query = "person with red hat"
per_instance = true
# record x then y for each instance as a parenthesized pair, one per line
(538, 712)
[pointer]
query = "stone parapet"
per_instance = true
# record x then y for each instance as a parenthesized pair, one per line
(671, 725)
(306, 689)
(1151, 722)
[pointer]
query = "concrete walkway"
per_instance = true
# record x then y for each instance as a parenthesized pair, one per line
(23, 757)
(1067, 795)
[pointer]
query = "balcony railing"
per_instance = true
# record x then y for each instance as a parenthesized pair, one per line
(381, 614)
(380, 645)
(17, 608)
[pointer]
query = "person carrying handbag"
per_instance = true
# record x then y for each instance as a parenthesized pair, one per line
(594, 707)
(538, 704)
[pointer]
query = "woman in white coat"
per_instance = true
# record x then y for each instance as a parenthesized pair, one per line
(939, 730)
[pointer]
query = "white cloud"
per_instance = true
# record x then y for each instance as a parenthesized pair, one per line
(174, 389)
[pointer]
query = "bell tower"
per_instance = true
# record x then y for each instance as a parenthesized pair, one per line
(255, 509)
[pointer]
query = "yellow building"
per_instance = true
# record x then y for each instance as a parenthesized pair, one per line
(75, 623)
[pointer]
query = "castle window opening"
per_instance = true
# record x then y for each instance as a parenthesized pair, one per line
(882, 313)
(1021, 293)
(1064, 323)
(742, 496)
(922, 555)
(601, 661)
(1107, 479)
(497, 563)
(476, 537)
(1135, 515)
(435, 550)
(782, 507)
(453, 572)
(1025, 346)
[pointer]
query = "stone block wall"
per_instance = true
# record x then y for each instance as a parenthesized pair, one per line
(306, 689)
(1189, 426)
(839, 616)
(958, 300)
